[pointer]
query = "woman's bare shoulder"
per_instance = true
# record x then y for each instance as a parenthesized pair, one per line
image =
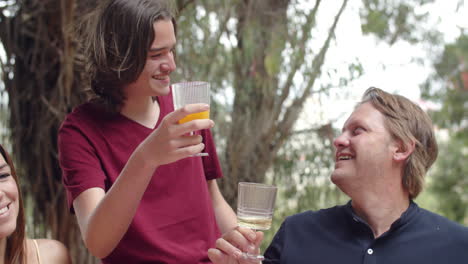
(52, 251)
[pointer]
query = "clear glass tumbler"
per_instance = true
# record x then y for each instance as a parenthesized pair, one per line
(255, 206)
(185, 93)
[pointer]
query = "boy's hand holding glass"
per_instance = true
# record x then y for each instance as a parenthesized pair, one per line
(169, 142)
(185, 93)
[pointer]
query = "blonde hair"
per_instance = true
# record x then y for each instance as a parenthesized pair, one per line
(408, 123)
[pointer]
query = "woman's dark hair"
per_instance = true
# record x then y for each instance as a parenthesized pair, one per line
(15, 247)
(117, 40)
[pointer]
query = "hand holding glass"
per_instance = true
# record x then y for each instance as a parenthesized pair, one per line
(185, 93)
(255, 205)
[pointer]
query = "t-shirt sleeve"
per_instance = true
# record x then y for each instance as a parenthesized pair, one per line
(273, 252)
(80, 165)
(210, 163)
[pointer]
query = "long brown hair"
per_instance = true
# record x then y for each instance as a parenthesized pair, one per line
(15, 248)
(116, 39)
(408, 123)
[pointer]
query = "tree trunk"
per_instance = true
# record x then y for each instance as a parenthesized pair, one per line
(41, 81)
(44, 81)
(261, 118)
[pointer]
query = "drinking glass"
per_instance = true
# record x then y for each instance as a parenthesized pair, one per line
(184, 93)
(255, 206)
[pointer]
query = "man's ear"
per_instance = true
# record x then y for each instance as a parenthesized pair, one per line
(403, 150)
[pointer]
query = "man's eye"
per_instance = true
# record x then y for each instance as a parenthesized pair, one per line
(358, 130)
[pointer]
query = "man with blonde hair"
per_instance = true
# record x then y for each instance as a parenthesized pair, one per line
(382, 155)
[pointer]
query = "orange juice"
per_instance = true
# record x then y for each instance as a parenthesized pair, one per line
(201, 115)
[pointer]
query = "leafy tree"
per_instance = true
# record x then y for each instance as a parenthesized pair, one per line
(394, 20)
(267, 55)
(42, 83)
(448, 89)
(302, 172)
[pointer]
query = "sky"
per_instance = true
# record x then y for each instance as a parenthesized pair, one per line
(391, 68)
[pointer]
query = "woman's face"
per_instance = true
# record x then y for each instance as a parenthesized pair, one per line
(9, 200)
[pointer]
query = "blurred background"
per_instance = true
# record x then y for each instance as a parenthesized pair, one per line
(285, 74)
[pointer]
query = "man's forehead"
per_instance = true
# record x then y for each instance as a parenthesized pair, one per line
(362, 113)
(351, 118)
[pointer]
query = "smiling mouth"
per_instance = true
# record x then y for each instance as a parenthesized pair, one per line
(4, 209)
(161, 78)
(345, 157)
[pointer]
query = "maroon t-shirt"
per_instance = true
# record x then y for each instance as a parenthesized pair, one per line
(175, 221)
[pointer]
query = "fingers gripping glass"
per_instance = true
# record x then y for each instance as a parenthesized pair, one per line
(185, 93)
(255, 205)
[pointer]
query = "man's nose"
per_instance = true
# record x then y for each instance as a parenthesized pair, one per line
(341, 141)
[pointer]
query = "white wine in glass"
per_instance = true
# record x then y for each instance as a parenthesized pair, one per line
(255, 206)
(255, 222)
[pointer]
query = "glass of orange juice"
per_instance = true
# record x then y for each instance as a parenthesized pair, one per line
(196, 92)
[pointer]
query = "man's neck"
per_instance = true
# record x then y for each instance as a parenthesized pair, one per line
(381, 211)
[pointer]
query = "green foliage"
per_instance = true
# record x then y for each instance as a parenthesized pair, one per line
(377, 22)
(448, 62)
(200, 55)
(448, 180)
(453, 110)
(252, 52)
(392, 20)
(302, 170)
(451, 95)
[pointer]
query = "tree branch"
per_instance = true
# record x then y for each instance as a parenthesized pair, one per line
(181, 4)
(292, 113)
(215, 41)
(299, 58)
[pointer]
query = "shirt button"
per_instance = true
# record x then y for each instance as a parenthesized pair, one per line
(370, 251)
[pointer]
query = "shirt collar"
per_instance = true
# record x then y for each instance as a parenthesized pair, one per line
(405, 217)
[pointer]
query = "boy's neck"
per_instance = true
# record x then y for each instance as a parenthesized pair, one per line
(144, 111)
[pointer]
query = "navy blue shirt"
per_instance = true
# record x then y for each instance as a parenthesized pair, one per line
(337, 235)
